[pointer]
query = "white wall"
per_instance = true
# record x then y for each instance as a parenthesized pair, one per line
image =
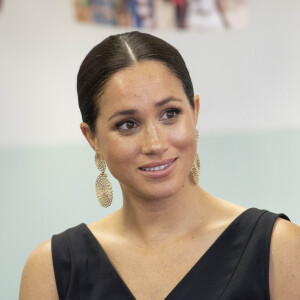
(247, 80)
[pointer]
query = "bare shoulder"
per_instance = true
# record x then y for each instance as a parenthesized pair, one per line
(105, 225)
(38, 281)
(225, 210)
(285, 261)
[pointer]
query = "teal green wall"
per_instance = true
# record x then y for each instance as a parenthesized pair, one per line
(45, 190)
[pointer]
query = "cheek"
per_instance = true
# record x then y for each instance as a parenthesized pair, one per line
(183, 138)
(119, 154)
(185, 143)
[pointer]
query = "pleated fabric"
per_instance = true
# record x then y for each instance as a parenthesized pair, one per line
(235, 267)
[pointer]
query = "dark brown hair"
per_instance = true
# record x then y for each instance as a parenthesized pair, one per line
(116, 53)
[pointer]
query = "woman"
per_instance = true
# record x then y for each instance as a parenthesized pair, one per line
(170, 239)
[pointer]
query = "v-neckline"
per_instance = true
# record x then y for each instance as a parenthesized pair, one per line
(185, 277)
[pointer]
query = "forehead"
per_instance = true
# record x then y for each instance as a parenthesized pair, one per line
(141, 84)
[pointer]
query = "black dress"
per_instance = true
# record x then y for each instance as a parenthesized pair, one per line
(235, 267)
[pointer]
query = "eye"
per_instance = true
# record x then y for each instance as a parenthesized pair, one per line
(126, 125)
(170, 114)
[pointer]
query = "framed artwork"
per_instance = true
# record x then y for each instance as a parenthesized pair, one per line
(196, 14)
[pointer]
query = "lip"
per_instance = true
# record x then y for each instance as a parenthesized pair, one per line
(159, 163)
(159, 173)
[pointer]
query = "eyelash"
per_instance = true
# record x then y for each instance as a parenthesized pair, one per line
(174, 110)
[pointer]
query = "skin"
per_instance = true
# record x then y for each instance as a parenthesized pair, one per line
(164, 218)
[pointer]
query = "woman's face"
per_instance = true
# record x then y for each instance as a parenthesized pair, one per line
(146, 130)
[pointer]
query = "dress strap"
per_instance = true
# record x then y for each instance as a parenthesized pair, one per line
(250, 278)
(82, 269)
(64, 264)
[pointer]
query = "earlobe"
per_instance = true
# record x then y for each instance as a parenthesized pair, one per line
(197, 107)
(90, 137)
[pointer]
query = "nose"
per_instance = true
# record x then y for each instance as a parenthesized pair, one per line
(154, 140)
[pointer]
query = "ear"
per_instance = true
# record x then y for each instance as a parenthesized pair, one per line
(88, 134)
(197, 108)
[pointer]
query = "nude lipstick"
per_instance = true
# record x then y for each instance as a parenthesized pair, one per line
(158, 169)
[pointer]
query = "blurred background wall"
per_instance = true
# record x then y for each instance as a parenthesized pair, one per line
(249, 146)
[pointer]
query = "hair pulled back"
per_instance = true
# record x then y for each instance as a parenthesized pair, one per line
(116, 53)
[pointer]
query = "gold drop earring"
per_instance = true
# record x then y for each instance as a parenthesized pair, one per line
(195, 171)
(104, 190)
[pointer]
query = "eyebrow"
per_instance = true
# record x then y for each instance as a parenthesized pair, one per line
(133, 111)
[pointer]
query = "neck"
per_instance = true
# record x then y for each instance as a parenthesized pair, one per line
(154, 221)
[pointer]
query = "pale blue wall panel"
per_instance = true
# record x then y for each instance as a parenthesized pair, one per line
(46, 190)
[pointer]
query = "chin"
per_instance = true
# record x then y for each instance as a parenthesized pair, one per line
(161, 191)
(154, 189)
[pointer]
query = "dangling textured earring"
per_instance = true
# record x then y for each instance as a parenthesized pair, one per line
(103, 186)
(195, 172)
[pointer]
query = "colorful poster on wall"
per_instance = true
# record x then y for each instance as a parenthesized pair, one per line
(196, 14)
